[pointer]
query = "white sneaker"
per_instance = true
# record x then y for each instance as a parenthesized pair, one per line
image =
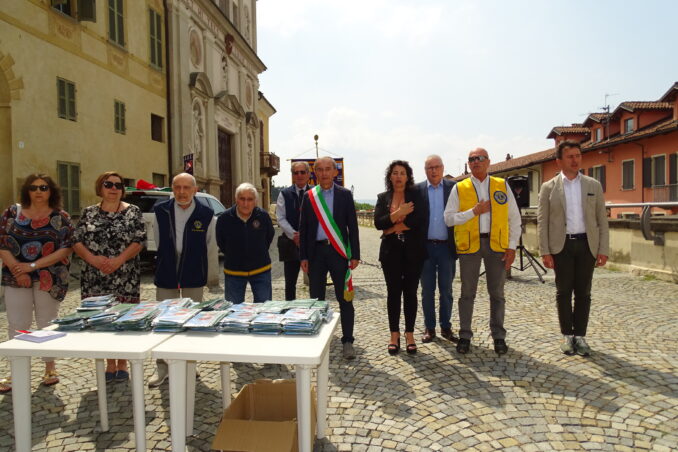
(161, 374)
(348, 351)
(581, 346)
(567, 346)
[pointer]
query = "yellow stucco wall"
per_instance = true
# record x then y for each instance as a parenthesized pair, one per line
(44, 44)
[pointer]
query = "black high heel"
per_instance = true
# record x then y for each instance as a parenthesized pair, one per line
(411, 348)
(393, 349)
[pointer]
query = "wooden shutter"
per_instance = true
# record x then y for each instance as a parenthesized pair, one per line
(647, 172)
(87, 10)
(673, 168)
(602, 177)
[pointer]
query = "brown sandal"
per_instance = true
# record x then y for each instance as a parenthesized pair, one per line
(50, 378)
(6, 385)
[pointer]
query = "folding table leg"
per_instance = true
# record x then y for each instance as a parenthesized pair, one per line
(101, 392)
(323, 376)
(138, 401)
(177, 383)
(21, 401)
(225, 385)
(190, 396)
(304, 407)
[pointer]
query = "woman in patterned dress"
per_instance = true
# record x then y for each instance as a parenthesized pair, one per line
(35, 246)
(109, 237)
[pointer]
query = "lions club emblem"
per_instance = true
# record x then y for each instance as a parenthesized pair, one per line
(197, 224)
(500, 197)
(256, 224)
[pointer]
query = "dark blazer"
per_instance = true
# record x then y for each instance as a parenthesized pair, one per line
(415, 238)
(343, 211)
(447, 189)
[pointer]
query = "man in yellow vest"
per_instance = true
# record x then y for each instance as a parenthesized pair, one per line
(487, 224)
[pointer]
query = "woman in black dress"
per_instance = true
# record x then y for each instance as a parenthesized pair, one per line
(398, 214)
(109, 237)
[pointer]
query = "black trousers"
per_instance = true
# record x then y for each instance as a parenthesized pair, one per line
(402, 281)
(291, 275)
(574, 267)
(327, 260)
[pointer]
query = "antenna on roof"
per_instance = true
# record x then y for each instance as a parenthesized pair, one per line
(606, 118)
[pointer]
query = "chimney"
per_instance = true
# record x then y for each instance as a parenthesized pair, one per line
(509, 156)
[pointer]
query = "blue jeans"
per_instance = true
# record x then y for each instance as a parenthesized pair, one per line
(440, 262)
(234, 287)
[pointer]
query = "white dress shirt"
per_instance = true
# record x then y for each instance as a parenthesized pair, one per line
(454, 217)
(281, 213)
(574, 214)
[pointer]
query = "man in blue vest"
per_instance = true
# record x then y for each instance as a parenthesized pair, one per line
(183, 230)
(287, 210)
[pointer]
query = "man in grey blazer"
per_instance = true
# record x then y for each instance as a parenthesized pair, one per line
(573, 240)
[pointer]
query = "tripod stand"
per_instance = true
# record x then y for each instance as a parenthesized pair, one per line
(531, 260)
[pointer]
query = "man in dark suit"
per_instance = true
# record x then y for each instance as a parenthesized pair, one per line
(317, 244)
(441, 251)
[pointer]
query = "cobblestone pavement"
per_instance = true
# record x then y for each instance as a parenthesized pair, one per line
(623, 397)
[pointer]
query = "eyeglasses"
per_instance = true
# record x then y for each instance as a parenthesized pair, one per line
(298, 173)
(38, 187)
(477, 158)
(108, 184)
(434, 168)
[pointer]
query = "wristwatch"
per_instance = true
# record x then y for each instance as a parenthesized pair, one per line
(33, 266)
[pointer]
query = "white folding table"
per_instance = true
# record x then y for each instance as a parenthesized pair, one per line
(97, 345)
(304, 352)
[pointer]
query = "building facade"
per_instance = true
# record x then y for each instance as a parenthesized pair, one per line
(82, 91)
(213, 92)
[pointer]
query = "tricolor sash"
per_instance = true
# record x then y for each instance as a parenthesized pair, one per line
(326, 220)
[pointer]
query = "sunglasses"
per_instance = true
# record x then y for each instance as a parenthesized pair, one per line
(297, 173)
(38, 187)
(118, 185)
(477, 158)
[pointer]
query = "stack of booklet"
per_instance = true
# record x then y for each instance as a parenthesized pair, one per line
(100, 302)
(172, 320)
(205, 321)
(323, 307)
(175, 303)
(266, 323)
(307, 303)
(301, 321)
(239, 320)
(274, 306)
(216, 304)
(138, 318)
(74, 322)
(103, 320)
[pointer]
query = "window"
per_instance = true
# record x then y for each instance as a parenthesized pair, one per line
(223, 6)
(158, 180)
(598, 173)
(119, 117)
(116, 27)
(598, 134)
(157, 128)
(66, 99)
(658, 170)
(155, 24)
(69, 181)
(83, 10)
(628, 125)
(628, 173)
(128, 182)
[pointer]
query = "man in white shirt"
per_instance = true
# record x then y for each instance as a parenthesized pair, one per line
(487, 227)
(287, 210)
(573, 240)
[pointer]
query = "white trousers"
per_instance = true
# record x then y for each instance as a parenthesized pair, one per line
(22, 303)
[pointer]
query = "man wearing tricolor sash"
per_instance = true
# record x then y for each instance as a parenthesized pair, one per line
(329, 242)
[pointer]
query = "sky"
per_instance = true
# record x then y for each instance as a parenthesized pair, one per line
(380, 80)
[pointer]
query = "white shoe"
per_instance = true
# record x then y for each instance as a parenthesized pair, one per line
(581, 346)
(348, 350)
(567, 346)
(161, 374)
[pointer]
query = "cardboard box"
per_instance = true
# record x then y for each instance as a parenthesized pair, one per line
(263, 417)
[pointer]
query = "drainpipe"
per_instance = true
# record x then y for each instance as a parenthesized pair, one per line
(168, 89)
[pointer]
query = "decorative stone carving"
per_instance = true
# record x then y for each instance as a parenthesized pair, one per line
(196, 48)
(250, 156)
(198, 134)
(224, 72)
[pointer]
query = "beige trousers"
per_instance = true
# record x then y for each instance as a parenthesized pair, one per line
(194, 293)
(22, 303)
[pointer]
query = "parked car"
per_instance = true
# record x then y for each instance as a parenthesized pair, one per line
(146, 199)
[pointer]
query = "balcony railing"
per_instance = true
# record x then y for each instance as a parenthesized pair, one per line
(665, 193)
(270, 163)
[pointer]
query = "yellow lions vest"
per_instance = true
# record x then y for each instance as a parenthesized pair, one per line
(467, 235)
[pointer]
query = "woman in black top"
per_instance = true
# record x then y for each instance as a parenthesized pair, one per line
(398, 214)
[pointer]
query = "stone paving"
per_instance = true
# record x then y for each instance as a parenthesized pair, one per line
(623, 397)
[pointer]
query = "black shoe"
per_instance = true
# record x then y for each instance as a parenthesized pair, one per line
(463, 346)
(449, 335)
(500, 346)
